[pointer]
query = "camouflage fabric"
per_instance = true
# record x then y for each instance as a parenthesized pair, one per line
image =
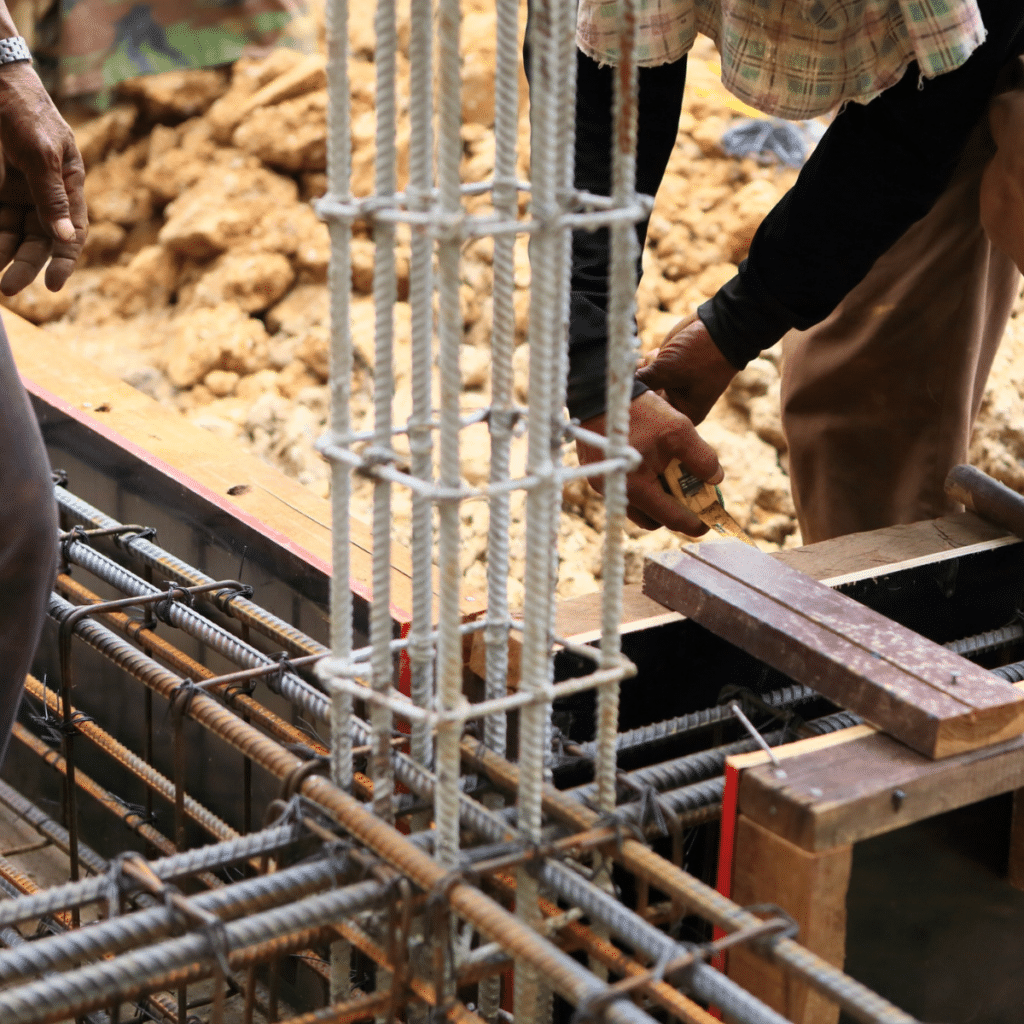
(103, 42)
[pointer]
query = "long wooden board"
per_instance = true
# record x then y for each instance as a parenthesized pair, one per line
(840, 560)
(216, 470)
(866, 783)
(932, 700)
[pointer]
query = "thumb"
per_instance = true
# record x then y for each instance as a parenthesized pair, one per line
(652, 374)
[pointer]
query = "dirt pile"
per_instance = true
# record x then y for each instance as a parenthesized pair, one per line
(204, 281)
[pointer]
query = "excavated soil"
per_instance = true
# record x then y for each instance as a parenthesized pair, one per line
(204, 282)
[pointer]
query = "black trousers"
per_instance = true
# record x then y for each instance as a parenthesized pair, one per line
(28, 538)
(660, 106)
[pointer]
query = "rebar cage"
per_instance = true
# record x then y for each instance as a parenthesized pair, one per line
(433, 206)
(405, 876)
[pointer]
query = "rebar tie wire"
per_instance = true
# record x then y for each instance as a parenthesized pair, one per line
(89, 534)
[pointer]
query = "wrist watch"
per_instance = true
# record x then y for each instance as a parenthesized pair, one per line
(14, 49)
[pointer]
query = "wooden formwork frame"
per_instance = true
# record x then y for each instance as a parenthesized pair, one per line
(788, 836)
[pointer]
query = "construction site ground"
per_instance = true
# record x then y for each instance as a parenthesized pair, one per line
(204, 282)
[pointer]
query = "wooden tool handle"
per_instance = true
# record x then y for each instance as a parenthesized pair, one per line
(703, 500)
(987, 497)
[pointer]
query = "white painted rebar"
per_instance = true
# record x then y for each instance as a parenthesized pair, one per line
(621, 364)
(421, 446)
(385, 295)
(434, 210)
(339, 172)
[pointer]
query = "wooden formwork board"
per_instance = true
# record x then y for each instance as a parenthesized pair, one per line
(838, 562)
(149, 447)
(927, 697)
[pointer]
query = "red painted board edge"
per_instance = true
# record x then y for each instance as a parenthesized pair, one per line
(726, 849)
(97, 427)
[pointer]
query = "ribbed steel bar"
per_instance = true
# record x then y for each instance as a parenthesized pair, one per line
(583, 938)
(856, 999)
(179, 865)
(189, 668)
(190, 621)
(136, 765)
(128, 815)
(129, 976)
(357, 1009)
(49, 829)
(704, 764)
(660, 732)
(25, 886)
(174, 568)
(990, 640)
(131, 931)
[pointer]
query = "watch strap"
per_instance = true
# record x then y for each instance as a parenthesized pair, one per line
(14, 49)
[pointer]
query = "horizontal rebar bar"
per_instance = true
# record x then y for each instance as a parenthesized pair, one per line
(179, 865)
(150, 554)
(128, 931)
(131, 817)
(858, 1000)
(990, 640)
(134, 764)
(56, 833)
(672, 728)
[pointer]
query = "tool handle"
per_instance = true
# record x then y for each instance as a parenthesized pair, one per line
(703, 500)
(987, 497)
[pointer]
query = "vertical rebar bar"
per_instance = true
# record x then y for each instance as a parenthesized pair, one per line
(546, 252)
(621, 364)
(385, 294)
(421, 446)
(339, 164)
(450, 340)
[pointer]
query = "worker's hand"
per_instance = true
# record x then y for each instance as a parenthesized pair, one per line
(659, 434)
(1001, 202)
(688, 370)
(42, 199)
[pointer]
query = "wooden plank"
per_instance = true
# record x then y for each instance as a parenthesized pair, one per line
(932, 700)
(870, 785)
(811, 888)
(835, 561)
(798, 748)
(865, 553)
(209, 465)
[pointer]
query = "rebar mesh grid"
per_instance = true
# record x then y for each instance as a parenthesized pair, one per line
(325, 871)
(405, 871)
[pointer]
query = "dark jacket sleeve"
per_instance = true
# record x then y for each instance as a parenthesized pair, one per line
(879, 168)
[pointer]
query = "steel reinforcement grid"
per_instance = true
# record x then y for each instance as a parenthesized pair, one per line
(412, 867)
(367, 904)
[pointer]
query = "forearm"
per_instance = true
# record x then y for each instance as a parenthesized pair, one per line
(878, 169)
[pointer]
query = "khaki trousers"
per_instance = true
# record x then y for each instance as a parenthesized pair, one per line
(879, 400)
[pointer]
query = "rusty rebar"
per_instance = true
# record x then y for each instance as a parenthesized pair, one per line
(129, 816)
(145, 773)
(851, 995)
(570, 978)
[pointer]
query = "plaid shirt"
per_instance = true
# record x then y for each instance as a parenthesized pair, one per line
(795, 58)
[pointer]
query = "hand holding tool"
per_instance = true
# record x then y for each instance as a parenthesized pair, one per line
(704, 500)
